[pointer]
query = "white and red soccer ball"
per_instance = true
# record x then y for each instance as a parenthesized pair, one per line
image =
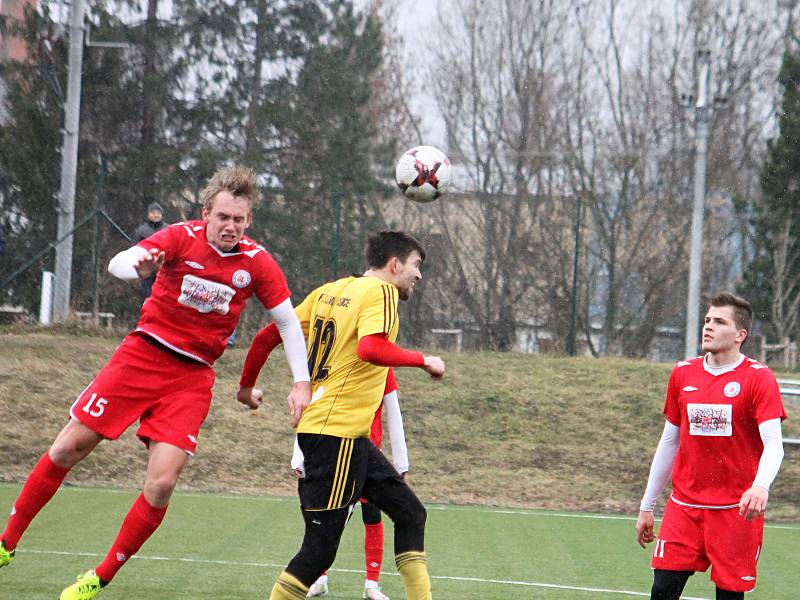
(423, 173)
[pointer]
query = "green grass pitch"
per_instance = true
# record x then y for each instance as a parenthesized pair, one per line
(232, 547)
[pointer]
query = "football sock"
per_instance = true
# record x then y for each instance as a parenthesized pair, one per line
(139, 524)
(413, 567)
(373, 549)
(668, 585)
(39, 488)
(288, 587)
(728, 595)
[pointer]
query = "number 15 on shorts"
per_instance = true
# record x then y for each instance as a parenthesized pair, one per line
(95, 406)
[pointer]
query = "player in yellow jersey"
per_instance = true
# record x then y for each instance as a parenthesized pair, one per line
(351, 325)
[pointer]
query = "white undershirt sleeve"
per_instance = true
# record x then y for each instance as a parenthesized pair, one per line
(772, 456)
(294, 344)
(661, 469)
(397, 436)
(298, 460)
(123, 265)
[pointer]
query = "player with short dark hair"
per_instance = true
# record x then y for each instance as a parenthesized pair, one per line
(371, 514)
(161, 374)
(261, 347)
(351, 325)
(722, 445)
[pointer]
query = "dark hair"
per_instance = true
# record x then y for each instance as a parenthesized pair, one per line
(742, 311)
(383, 245)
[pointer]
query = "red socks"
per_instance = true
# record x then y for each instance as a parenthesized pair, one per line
(139, 524)
(39, 488)
(373, 549)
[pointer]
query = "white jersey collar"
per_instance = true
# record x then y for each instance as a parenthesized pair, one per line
(721, 370)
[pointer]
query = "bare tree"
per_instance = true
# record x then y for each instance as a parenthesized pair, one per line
(497, 97)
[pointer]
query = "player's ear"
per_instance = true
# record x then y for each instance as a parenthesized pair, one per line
(204, 212)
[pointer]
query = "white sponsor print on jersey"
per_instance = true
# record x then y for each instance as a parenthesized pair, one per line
(748, 578)
(194, 265)
(732, 389)
(710, 419)
(241, 278)
(205, 296)
(690, 388)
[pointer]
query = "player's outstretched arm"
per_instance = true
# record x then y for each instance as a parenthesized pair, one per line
(294, 344)
(378, 350)
(262, 345)
(136, 263)
(434, 366)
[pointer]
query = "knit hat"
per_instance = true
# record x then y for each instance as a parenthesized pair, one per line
(155, 206)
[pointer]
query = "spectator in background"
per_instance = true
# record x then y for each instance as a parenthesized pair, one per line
(154, 223)
(2, 240)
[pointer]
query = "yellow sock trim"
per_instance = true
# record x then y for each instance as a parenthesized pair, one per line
(413, 567)
(288, 587)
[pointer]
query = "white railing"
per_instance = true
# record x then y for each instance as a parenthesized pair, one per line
(789, 387)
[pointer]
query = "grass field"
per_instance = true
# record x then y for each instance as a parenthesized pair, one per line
(529, 431)
(220, 546)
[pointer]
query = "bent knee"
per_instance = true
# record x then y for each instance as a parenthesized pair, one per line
(413, 517)
(158, 489)
(73, 445)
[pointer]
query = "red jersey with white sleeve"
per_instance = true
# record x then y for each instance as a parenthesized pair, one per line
(718, 416)
(200, 290)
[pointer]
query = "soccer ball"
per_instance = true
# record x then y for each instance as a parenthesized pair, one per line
(423, 173)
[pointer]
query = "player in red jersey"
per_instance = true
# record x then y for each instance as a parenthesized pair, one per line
(261, 347)
(162, 372)
(722, 442)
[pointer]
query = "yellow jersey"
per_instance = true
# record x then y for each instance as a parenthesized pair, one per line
(346, 390)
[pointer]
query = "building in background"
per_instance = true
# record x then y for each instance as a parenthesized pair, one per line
(11, 47)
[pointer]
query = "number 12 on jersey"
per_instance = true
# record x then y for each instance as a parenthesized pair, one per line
(324, 337)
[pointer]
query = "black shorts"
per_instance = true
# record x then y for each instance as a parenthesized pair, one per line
(338, 469)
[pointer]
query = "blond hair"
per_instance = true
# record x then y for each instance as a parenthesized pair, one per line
(239, 181)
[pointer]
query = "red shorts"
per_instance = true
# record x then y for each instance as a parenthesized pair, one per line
(169, 396)
(691, 539)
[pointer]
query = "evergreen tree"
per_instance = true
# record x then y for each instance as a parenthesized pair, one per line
(772, 279)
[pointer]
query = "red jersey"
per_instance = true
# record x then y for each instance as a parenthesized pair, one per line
(200, 290)
(718, 415)
(376, 429)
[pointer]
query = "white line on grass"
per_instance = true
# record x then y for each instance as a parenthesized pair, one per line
(441, 507)
(230, 563)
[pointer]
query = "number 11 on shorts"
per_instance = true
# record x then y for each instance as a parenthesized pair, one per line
(95, 406)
